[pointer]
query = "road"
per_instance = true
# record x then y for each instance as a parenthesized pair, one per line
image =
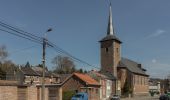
(142, 98)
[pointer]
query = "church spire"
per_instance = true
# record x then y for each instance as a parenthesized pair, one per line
(110, 30)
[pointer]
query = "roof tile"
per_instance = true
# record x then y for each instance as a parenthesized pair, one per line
(86, 78)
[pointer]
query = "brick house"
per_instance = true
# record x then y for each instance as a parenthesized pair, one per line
(75, 82)
(125, 70)
(82, 83)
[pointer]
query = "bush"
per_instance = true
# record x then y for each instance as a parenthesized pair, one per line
(68, 94)
(152, 93)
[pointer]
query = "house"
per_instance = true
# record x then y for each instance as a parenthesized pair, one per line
(27, 75)
(31, 75)
(69, 85)
(49, 76)
(106, 81)
(155, 85)
(130, 75)
(82, 83)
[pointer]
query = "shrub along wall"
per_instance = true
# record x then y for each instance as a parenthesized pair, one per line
(68, 94)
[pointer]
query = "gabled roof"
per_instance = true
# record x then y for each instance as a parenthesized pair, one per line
(28, 71)
(64, 77)
(86, 78)
(39, 70)
(109, 75)
(132, 66)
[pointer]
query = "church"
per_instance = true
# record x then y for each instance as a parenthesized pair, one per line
(130, 76)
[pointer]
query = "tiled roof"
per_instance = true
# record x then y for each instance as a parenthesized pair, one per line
(29, 71)
(39, 70)
(86, 78)
(47, 74)
(131, 66)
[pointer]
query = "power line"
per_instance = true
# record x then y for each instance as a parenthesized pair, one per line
(37, 39)
(4, 24)
(59, 50)
(21, 33)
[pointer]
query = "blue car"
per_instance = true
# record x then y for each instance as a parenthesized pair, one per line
(80, 96)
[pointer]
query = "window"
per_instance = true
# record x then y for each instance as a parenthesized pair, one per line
(96, 91)
(117, 50)
(107, 49)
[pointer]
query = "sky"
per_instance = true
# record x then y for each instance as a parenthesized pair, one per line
(78, 25)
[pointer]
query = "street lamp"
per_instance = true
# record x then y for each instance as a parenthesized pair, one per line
(43, 62)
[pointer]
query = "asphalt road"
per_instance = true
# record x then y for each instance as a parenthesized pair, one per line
(142, 98)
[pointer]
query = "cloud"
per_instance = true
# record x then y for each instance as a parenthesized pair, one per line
(158, 69)
(156, 33)
(154, 61)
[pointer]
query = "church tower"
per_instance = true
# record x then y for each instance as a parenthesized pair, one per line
(110, 47)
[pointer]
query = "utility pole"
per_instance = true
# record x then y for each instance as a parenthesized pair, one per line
(43, 62)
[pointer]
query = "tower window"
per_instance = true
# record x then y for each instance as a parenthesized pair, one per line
(107, 49)
(117, 49)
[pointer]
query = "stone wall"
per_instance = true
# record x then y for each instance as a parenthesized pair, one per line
(14, 92)
(32, 93)
(8, 93)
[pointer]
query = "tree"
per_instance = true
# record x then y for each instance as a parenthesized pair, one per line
(80, 70)
(3, 53)
(63, 65)
(5, 65)
(27, 64)
(8, 64)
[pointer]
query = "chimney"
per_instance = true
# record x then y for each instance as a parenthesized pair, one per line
(140, 66)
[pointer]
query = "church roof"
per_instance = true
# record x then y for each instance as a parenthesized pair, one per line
(110, 29)
(132, 66)
(110, 37)
(102, 74)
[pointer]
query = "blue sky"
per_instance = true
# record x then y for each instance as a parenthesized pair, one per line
(78, 25)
